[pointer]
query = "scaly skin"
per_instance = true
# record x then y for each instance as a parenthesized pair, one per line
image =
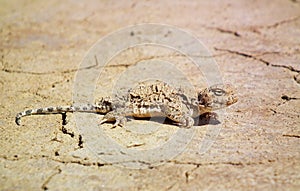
(152, 98)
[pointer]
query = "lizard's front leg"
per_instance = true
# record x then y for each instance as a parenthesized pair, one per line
(184, 120)
(117, 116)
(180, 115)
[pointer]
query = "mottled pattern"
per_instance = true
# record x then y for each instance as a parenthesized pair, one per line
(152, 98)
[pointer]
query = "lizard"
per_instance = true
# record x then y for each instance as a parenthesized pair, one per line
(151, 98)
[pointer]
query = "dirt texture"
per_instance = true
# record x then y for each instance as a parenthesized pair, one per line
(256, 45)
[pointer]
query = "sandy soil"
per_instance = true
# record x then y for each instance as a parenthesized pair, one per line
(255, 43)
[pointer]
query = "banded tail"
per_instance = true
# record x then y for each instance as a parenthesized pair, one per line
(88, 108)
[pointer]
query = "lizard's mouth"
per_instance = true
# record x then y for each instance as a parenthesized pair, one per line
(232, 99)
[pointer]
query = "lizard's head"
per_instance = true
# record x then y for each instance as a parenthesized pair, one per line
(216, 97)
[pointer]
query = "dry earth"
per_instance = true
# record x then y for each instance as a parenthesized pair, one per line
(255, 43)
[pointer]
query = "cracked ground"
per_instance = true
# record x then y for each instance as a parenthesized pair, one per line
(256, 45)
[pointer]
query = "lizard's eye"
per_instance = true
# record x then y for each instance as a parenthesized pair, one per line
(218, 92)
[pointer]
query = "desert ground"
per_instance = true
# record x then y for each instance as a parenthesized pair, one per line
(47, 59)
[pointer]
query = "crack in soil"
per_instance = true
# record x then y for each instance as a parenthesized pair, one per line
(287, 67)
(52, 72)
(80, 142)
(198, 164)
(291, 135)
(80, 162)
(98, 164)
(65, 131)
(256, 28)
(297, 78)
(189, 173)
(278, 23)
(46, 73)
(243, 55)
(235, 33)
(111, 65)
(287, 98)
(71, 134)
(44, 185)
(292, 69)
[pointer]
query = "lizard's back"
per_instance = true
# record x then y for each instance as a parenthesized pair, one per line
(152, 98)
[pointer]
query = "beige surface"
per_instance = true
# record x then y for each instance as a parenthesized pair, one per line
(256, 45)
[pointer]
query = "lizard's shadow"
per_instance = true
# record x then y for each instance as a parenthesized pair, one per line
(207, 118)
